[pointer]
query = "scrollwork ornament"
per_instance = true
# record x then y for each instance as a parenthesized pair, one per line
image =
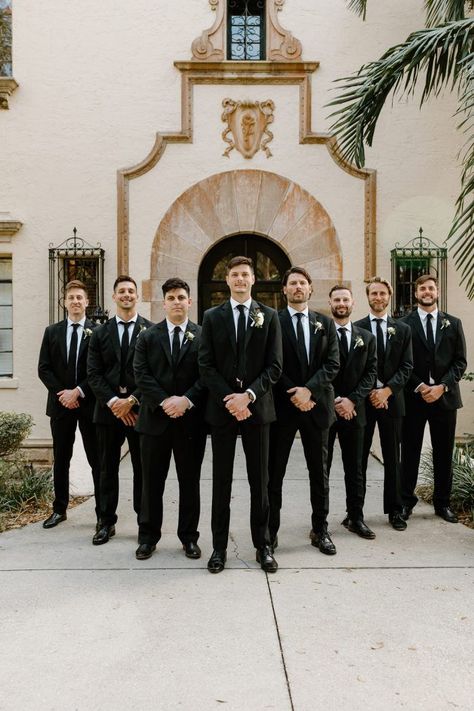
(247, 126)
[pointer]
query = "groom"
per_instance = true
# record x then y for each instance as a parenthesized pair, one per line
(240, 359)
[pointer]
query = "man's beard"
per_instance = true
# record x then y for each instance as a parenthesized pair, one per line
(337, 314)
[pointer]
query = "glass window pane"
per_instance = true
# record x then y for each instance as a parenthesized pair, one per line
(246, 29)
(266, 269)
(6, 339)
(219, 272)
(5, 294)
(5, 268)
(6, 317)
(6, 365)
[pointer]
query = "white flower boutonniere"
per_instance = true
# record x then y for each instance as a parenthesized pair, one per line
(359, 343)
(445, 323)
(142, 328)
(256, 319)
(87, 333)
(391, 331)
(188, 336)
(318, 326)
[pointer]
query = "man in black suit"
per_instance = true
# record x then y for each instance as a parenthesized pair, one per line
(62, 368)
(385, 405)
(110, 370)
(171, 419)
(304, 401)
(240, 359)
(355, 380)
(432, 395)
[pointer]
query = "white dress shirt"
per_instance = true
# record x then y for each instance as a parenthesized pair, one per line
(384, 325)
(69, 332)
(348, 333)
(121, 327)
(236, 312)
(304, 323)
(434, 323)
(182, 330)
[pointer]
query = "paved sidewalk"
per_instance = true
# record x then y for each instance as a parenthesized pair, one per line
(384, 624)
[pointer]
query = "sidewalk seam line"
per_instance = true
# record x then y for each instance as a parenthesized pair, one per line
(280, 645)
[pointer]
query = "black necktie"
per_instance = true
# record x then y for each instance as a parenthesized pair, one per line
(72, 358)
(124, 353)
(380, 349)
(302, 353)
(176, 346)
(431, 342)
(241, 326)
(343, 349)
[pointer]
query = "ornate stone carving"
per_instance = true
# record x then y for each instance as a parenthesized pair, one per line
(281, 45)
(247, 123)
(7, 87)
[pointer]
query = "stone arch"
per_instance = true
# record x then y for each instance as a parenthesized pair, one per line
(251, 201)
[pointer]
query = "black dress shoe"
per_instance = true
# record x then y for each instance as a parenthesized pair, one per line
(444, 512)
(103, 535)
(397, 521)
(267, 562)
(361, 529)
(216, 563)
(54, 519)
(191, 550)
(322, 540)
(345, 522)
(144, 551)
(406, 513)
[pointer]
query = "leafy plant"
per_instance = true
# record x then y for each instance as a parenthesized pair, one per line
(462, 493)
(14, 427)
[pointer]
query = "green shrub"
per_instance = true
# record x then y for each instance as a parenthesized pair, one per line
(20, 483)
(462, 493)
(14, 427)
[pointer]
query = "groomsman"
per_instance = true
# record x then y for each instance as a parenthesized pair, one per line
(432, 395)
(304, 401)
(240, 359)
(110, 370)
(171, 419)
(355, 380)
(62, 368)
(385, 405)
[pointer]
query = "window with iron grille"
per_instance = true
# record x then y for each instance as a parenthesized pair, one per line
(6, 318)
(246, 29)
(419, 256)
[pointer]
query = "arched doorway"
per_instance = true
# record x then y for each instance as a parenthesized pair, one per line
(270, 263)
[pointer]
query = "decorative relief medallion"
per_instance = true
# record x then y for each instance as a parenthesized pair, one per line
(247, 124)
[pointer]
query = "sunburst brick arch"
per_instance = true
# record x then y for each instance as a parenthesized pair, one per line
(243, 201)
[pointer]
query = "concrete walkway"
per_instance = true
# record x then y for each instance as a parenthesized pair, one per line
(384, 624)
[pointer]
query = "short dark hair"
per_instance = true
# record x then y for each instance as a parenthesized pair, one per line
(296, 270)
(423, 278)
(378, 280)
(175, 283)
(75, 284)
(340, 287)
(236, 261)
(124, 277)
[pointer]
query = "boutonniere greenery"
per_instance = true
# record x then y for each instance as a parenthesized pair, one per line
(257, 318)
(391, 331)
(359, 343)
(87, 333)
(189, 336)
(445, 323)
(318, 326)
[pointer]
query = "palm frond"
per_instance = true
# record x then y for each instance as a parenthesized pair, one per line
(358, 6)
(439, 12)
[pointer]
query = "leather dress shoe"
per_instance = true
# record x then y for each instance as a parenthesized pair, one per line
(267, 562)
(103, 535)
(191, 550)
(397, 521)
(406, 513)
(361, 529)
(345, 522)
(216, 563)
(54, 519)
(446, 514)
(322, 540)
(144, 551)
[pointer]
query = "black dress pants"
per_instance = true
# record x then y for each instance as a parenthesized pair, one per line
(315, 447)
(187, 448)
(255, 441)
(442, 424)
(63, 430)
(390, 433)
(351, 440)
(110, 438)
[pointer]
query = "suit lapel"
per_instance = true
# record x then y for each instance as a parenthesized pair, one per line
(439, 330)
(419, 328)
(288, 329)
(254, 308)
(388, 343)
(192, 328)
(87, 325)
(314, 335)
(354, 334)
(164, 339)
(114, 337)
(62, 335)
(228, 318)
(135, 333)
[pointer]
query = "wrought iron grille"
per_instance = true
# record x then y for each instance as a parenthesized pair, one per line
(246, 29)
(419, 256)
(75, 259)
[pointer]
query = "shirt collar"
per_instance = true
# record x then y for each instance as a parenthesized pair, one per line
(132, 320)
(81, 322)
(235, 303)
(171, 326)
(348, 327)
(373, 317)
(423, 314)
(293, 311)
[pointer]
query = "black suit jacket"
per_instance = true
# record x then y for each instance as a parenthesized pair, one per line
(322, 369)
(449, 360)
(356, 379)
(218, 361)
(398, 363)
(103, 366)
(52, 367)
(157, 380)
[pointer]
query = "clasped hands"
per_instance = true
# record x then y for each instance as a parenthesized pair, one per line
(122, 409)
(345, 408)
(301, 398)
(237, 404)
(379, 398)
(431, 393)
(175, 406)
(69, 398)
